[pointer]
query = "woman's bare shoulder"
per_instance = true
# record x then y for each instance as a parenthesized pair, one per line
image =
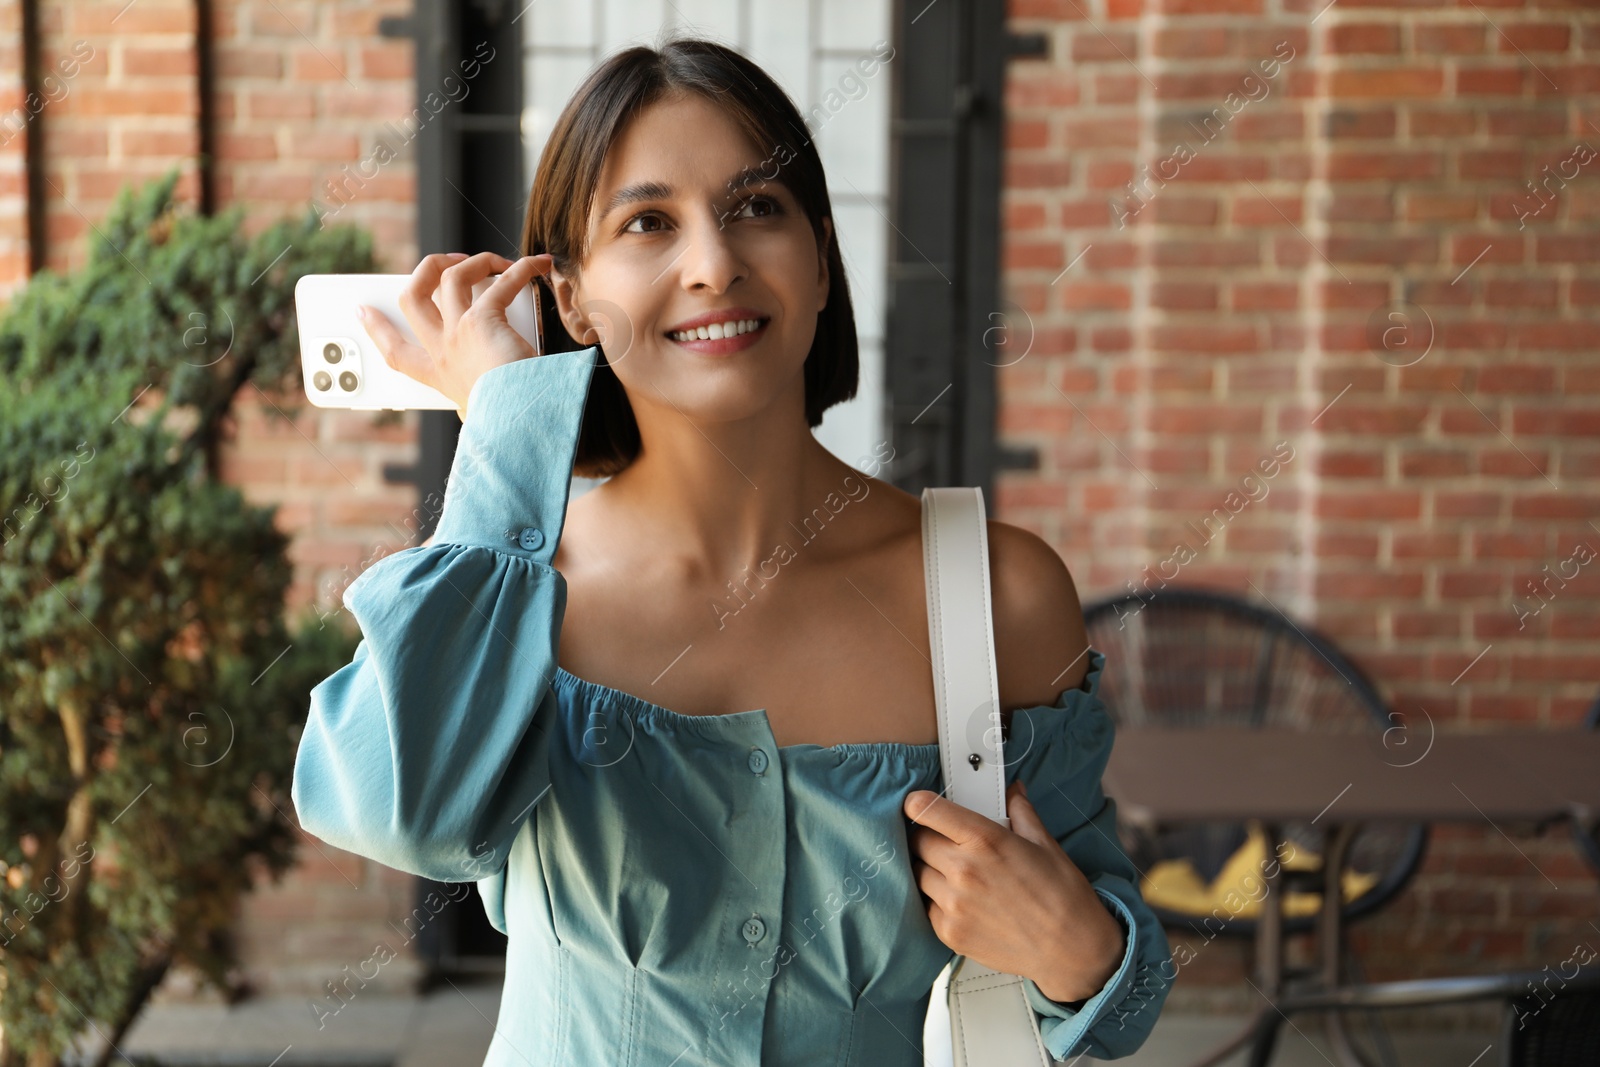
(1039, 634)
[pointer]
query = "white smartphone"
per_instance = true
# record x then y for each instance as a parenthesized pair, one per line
(340, 365)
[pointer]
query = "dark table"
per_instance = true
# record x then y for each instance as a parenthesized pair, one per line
(1162, 776)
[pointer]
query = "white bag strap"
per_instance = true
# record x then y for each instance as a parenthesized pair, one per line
(986, 1020)
(955, 559)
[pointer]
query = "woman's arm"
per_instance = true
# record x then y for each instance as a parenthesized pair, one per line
(1059, 901)
(429, 749)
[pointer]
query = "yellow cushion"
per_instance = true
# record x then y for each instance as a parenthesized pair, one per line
(1238, 889)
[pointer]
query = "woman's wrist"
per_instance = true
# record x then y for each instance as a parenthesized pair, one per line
(1084, 978)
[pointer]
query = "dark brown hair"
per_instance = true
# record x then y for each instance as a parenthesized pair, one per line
(569, 173)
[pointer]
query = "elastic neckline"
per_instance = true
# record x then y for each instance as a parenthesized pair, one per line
(928, 755)
(755, 719)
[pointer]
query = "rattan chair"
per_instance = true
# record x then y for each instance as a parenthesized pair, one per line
(1186, 657)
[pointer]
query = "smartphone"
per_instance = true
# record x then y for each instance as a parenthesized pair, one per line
(340, 365)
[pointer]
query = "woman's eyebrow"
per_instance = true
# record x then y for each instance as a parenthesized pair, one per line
(653, 190)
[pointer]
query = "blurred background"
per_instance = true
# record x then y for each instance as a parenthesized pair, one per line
(1297, 303)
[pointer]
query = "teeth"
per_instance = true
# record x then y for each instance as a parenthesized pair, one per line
(716, 331)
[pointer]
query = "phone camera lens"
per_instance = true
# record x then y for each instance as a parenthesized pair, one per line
(322, 380)
(332, 352)
(347, 381)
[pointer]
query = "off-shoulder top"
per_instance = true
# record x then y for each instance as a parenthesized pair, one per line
(675, 888)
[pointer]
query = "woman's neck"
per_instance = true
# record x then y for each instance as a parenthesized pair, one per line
(721, 496)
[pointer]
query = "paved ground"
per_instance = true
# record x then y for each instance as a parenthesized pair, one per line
(452, 1027)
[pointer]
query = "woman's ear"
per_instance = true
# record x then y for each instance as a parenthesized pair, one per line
(565, 292)
(822, 263)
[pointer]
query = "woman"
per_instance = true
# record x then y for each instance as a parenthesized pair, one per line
(552, 701)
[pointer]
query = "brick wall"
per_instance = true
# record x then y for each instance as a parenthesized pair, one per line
(1187, 313)
(302, 91)
(1335, 260)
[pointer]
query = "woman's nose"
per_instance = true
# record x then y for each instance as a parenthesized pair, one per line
(712, 258)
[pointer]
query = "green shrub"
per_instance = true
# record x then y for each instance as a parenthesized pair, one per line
(151, 694)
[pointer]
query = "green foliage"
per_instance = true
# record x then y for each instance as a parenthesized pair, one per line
(151, 694)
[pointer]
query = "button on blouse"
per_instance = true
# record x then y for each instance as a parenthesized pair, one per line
(674, 888)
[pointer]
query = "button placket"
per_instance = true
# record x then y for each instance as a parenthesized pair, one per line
(754, 840)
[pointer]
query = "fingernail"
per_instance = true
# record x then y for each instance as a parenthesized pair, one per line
(361, 312)
(458, 255)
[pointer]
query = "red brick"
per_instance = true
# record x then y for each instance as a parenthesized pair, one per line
(1552, 667)
(1337, 545)
(1414, 625)
(1112, 296)
(1521, 292)
(1392, 419)
(1386, 83)
(1023, 134)
(1467, 505)
(1208, 338)
(1441, 207)
(1265, 296)
(1568, 248)
(1363, 38)
(1442, 122)
(1555, 422)
(1521, 544)
(1440, 545)
(1553, 505)
(1373, 585)
(1183, 296)
(1170, 209)
(1189, 420)
(1214, 253)
(1469, 585)
(1370, 504)
(1519, 462)
(1449, 38)
(1359, 123)
(1253, 210)
(1517, 38)
(387, 61)
(1388, 251)
(1583, 336)
(1489, 81)
(236, 61)
(1433, 464)
(1208, 7)
(157, 62)
(1336, 463)
(1188, 42)
(1026, 255)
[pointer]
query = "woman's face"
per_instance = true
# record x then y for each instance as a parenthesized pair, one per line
(670, 240)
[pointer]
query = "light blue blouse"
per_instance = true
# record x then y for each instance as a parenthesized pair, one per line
(675, 888)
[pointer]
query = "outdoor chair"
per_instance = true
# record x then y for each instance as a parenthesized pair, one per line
(1194, 658)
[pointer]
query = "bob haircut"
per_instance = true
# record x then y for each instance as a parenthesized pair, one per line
(557, 222)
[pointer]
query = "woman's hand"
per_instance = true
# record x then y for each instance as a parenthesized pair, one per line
(461, 338)
(1012, 899)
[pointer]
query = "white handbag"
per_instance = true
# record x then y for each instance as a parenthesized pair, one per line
(977, 1017)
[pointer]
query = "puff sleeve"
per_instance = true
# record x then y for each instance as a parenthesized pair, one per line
(1060, 752)
(429, 749)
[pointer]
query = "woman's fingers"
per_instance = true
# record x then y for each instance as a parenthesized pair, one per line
(416, 299)
(455, 287)
(514, 279)
(409, 359)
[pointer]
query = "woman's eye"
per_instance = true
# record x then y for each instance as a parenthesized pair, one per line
(640, 218)
(770, 203)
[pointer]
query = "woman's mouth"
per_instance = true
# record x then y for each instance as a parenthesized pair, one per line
(722, 338)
